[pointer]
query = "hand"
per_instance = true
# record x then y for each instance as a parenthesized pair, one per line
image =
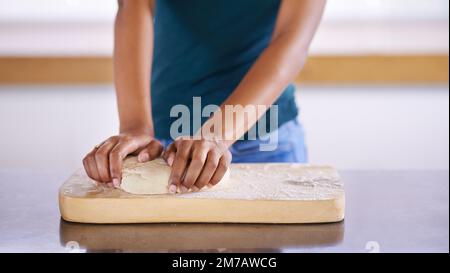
(196, 163)
(104, 162)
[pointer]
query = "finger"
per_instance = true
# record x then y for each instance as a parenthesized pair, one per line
(92, 167)
(87, 167)
(199, 155)
(151, 151)
(169, 154)
(179, 166)
(209, 169)
(102, 159)
(116, 156)
(220, 172)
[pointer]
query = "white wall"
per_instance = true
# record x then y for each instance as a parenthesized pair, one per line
(377, 127)
(85, 27)
(52, 127)
(103, 10)
(398, 10)
(45, 128)
(57, 10)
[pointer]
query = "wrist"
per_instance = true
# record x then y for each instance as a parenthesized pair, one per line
(137, 129)
(207, 134)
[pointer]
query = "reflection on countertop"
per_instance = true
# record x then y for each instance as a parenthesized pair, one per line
(198, 237)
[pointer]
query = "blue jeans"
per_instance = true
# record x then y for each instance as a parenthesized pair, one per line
(290, 147)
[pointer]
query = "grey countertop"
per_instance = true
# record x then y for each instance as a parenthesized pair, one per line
(386, 211)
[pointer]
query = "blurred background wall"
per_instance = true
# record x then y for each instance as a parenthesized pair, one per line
(373, 95)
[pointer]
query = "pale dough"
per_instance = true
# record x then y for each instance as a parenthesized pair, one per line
(151, 177)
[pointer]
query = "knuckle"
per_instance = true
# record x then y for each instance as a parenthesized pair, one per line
(197, 158)
(200, 144)
(211, 164)
(177, 142)
(101, 152)
(228, 155)
(214, 155)
(184, 144)
(206, 143)
(125, 138)
(223, 164)
(99, 157)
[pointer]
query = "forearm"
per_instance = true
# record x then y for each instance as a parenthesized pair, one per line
(133, 48)
(262, 85)
(276, 67)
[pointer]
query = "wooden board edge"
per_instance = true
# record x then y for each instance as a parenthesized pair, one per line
(106, 210)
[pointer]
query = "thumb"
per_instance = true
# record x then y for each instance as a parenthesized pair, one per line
(151, 151)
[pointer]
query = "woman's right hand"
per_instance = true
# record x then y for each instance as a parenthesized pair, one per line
(104, 162)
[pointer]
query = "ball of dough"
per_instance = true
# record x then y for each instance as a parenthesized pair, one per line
(150, 177)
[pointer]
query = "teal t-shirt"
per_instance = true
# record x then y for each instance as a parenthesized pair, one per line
(204, 48)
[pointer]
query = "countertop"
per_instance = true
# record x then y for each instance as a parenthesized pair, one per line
(386, 211)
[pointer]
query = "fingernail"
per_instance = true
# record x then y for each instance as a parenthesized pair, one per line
(110, 185)
(184, 189)
(116, 182)
(173, 189)
(194, 188)
(143, 157)
(209, 185)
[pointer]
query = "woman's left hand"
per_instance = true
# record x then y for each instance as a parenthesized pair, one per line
(196, 163)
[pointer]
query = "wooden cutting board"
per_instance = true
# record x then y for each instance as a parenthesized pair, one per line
(256, 193)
